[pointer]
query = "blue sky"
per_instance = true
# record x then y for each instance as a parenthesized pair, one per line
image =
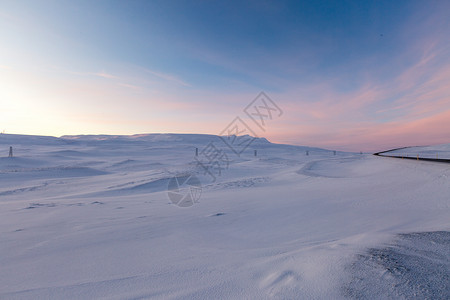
(348, 75)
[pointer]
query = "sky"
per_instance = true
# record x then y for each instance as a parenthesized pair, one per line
(346, 75)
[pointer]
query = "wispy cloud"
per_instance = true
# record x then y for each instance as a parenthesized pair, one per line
(130, 86)
(408, 109)
(168, 77)
(104, 75)
(7, 16)
(101, 74)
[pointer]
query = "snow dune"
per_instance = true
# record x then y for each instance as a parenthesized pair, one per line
(88, 217)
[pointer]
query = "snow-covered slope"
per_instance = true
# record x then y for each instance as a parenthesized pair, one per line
(88, 217)
(438, 151)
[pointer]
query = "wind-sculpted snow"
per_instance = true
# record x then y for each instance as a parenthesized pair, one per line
(89, 217)
(416, 266)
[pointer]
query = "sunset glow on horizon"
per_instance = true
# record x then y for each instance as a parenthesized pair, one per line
(348, 76)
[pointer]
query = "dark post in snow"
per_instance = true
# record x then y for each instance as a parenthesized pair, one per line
(10, 152)
(334, 152)
(307, 152)
(196, 151)
(256, 152)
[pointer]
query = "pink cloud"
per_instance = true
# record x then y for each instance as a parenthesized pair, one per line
(411, 109)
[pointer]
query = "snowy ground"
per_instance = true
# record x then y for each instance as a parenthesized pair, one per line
(90, 217)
